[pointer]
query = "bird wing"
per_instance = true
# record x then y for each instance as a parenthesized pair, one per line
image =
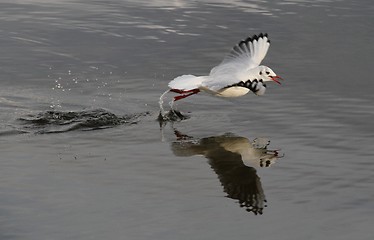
(237, 65)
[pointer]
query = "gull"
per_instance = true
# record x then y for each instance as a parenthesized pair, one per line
(239, 73)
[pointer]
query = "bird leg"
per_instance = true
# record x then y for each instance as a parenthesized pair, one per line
(183, 91)
(190, 92)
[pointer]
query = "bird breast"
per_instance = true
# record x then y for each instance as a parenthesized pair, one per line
(234, 91)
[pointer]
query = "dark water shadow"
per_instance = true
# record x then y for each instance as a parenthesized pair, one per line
(88, 120)
(234, 159)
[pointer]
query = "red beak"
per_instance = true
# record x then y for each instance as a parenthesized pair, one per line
(276, 79)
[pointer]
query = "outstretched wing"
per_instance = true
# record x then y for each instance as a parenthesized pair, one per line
(236, 66)
(249, 52)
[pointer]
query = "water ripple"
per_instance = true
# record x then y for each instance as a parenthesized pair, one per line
(59, 121)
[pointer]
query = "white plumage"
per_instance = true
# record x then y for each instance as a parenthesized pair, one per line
(186, 82)
(240, 64)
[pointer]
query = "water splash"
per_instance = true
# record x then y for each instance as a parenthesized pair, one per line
(171, 116)
(59, 121)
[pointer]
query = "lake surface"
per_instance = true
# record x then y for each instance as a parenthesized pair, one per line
(82, 155)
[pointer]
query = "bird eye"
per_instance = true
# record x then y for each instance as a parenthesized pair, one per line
(260, 72)
(267, 72)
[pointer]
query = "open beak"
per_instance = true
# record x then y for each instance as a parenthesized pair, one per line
(276, 79)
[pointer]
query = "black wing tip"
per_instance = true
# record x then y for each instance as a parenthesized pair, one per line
(254, 38)
(244, 44)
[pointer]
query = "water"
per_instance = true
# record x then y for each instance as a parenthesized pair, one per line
(83, 156)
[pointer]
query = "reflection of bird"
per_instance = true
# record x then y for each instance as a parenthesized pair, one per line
(233, 159)
(239, 73)
(253, 153)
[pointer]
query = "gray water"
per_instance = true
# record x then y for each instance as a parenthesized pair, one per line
(82, 155)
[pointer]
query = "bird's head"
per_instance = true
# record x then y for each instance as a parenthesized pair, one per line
(266, 74)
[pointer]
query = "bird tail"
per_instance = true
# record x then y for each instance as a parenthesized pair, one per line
(186, 82)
